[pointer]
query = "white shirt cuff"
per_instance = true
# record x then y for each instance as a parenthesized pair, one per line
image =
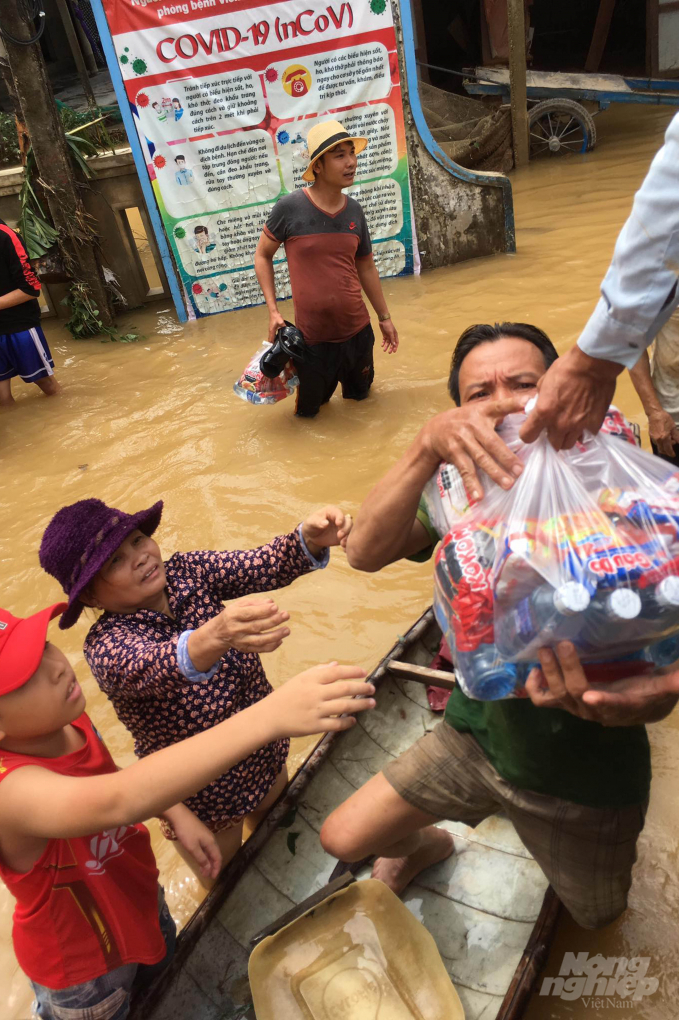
(605, 338)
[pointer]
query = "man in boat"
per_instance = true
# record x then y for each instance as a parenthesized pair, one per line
(638, 295)
(569, 765)
(327, 243)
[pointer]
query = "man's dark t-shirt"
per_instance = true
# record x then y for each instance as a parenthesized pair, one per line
(16, 274)
(322, 249)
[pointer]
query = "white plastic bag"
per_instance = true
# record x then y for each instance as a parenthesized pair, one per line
(256, 388)
(585, 546)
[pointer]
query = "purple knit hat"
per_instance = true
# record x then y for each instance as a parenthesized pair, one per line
(81, 537)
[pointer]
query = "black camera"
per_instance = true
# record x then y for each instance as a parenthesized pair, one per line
(289, 345)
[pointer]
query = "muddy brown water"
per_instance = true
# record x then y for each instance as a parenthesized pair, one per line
(158, 419)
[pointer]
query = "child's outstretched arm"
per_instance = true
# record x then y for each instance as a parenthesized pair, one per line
(37, 802)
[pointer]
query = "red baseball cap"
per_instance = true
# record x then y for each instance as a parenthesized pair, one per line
(22, 643)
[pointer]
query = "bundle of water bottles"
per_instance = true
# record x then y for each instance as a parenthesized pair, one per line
(584, 547)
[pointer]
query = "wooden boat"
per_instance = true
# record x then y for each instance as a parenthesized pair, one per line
(489, 906)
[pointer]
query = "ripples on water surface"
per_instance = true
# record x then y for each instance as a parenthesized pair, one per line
(158, 419)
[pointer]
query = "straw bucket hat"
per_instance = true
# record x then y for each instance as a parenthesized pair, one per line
(325, 136)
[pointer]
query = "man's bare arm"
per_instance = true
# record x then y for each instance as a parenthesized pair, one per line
(661, 427)
(15, 297)
(266, 249)
(386, 527)
(370, 282)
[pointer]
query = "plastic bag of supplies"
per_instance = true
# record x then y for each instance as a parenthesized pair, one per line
(256, 388)
(584, 547)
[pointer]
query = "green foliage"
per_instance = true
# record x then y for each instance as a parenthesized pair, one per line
(37, 232)
(78, 149)
(95, 132)
(74, 119)
(84, 321)
(291, 842)
(9, 143)
(286, 821)
(288, 818)
(90, 124)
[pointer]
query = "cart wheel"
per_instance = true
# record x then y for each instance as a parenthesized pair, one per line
(560, 125)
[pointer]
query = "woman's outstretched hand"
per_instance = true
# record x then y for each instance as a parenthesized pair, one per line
(248, 625)
(253, 625)
(326, 527)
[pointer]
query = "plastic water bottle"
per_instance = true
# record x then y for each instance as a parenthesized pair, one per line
(662, 600)
(608, 608)
(546, 615)
(620, 604)
(664, 653)
(485, 676)
(608, 620)
(661, 604)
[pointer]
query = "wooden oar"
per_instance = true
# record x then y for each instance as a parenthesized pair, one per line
(422, 674)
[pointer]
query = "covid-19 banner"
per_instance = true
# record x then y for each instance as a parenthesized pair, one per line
(223, 93)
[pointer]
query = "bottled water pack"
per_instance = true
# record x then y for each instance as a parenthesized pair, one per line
(584, 547)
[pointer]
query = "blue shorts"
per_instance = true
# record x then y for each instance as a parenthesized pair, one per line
(106, 997)
(25, 354)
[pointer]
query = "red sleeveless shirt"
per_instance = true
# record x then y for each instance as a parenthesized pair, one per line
(89, 904)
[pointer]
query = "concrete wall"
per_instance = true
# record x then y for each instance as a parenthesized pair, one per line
(459, 214)
(114, 188)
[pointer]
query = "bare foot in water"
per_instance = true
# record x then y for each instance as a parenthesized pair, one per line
(398, 872)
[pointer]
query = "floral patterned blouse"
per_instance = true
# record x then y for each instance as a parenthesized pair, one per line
(133, 658)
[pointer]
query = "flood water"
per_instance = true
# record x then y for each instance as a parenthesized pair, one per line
(158, 419)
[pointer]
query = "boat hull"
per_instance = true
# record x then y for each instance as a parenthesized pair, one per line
(488, 907)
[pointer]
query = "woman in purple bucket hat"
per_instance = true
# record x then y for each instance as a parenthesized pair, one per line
(172, 659)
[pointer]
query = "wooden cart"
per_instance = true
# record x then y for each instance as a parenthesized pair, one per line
(558, 119)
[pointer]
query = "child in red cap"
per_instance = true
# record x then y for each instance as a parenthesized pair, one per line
(91, 924)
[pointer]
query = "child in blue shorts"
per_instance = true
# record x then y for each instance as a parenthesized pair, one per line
(23, 347)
